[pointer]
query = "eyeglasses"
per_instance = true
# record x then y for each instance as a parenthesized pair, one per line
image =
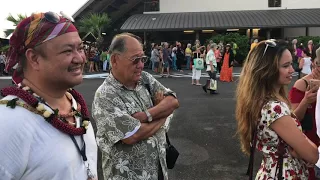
(269, 43)
(136, 60)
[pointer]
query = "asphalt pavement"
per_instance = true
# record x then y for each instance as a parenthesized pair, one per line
(203, 130)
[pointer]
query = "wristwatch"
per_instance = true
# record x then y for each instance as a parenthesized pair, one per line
(149, 116)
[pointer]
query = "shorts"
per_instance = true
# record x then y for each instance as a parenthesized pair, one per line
(156, 64)
(166, 64)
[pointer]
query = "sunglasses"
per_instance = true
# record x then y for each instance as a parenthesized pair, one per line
(269, 43)
(52, 17)
(136, 60)
(55, 18)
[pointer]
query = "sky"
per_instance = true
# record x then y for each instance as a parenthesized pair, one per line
(29, 6)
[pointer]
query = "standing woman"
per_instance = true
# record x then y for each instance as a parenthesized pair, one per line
(303, 101)
(264, 116)
(305, 63)
(188, 55)
(227, 64)
(196, 74)
(180, 57)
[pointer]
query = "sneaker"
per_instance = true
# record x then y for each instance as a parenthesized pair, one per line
(214, 92)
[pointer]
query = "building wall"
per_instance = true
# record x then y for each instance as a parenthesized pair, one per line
(294, 32)
(172, 6)
(314, 31)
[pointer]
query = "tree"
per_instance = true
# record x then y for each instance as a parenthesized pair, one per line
(94, 24)
(15, 22)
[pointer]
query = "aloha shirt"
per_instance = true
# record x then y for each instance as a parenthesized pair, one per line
(112, 108)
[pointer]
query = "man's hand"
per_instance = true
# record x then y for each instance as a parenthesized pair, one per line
(141, 116)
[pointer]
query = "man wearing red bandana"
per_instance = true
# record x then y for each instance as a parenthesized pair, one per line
(45, 129)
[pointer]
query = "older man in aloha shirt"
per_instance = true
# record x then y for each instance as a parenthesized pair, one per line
(113, 107)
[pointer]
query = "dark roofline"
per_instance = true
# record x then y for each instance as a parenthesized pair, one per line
(82, 8)
(275, 18)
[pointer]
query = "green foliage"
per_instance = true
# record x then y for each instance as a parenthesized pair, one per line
(94, 24)
(241, 40)
(15, 22)
(305, 39)
(4, 48)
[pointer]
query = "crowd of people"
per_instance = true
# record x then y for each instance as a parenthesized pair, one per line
(169, 58)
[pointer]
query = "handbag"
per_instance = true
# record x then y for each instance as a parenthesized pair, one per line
(198, 63)
(213, 85)
(172, 154)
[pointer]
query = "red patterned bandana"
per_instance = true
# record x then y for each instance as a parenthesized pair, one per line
(32, 31)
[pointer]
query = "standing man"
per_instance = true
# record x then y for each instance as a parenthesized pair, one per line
(166, 60)
(211, 70)
(44, 125)
(130, 108)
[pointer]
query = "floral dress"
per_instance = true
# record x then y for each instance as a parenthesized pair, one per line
(267, 143)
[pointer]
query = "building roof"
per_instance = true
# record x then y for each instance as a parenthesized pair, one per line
(223, 20)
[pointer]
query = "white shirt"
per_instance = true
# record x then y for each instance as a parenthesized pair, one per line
(211, 57)
(32, 149)
(306, 69)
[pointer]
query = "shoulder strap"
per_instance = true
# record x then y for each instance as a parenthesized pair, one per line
(307, 83)
(280, 158)
(252, 150)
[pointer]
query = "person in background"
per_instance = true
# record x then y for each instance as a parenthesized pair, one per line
(303, 101)
(188, 55)
(305, 63)
(2, 63)
(180, 57)
(196, 74)
(217, 54)
(151, 63)
(155, 58)
(227, 64)
(254, 44)
(167, 61)
(211, 68)
(310, 46)
(235, 49)
(104, 59)
(265, 118)
(174, 58)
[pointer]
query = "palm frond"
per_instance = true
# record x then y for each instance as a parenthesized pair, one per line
(94, 23)
(7, 32)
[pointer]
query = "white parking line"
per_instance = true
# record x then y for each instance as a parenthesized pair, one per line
(177, 75)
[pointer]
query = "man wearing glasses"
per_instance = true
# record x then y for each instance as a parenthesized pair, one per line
(130, 108)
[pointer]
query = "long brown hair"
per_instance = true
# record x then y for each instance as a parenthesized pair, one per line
(257, 84)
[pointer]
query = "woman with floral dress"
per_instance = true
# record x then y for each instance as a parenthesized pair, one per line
(264, 115)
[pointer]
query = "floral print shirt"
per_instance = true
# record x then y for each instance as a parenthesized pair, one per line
(112, 108)
(268, 141)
